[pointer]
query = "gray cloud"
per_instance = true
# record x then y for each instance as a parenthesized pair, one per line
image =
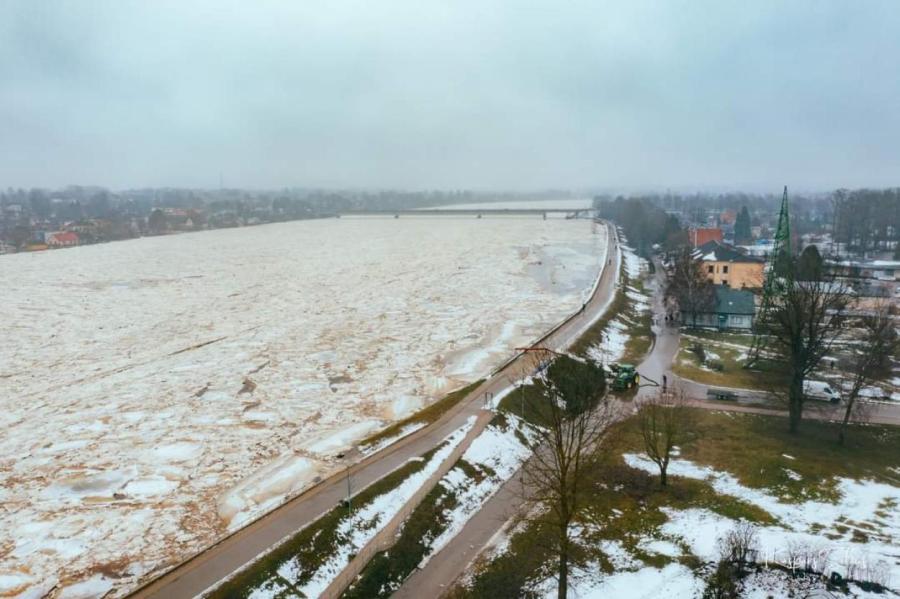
(459, 94)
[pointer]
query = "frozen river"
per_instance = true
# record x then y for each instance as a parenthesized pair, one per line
(156, 393)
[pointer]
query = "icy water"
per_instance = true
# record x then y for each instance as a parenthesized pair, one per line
(158, 392)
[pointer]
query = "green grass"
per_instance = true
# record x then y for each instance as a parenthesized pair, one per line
(426, 416)
(641, 336)
(768, 376)
(745, 340)
(626, 504)
(313, 545)
(527, 403)
(752, 448)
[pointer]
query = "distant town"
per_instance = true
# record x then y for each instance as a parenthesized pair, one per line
(41, 219)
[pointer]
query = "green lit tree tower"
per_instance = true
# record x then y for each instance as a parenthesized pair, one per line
(779, 274)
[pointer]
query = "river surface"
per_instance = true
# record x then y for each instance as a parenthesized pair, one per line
(159, 392)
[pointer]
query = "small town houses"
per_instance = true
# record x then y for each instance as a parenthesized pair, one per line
(725, 265)
(61, 239)
(733, 309)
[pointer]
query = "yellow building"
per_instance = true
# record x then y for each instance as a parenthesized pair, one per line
(724, 265)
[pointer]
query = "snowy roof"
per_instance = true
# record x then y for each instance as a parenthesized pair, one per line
(869, 263)
(716, 251)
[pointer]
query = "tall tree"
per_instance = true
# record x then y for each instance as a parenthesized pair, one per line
(572, 417)
(805, 321)
(810, 266)
(689, 287)
(664, 424)
(881, 343)
(742, 230)
(157, 221)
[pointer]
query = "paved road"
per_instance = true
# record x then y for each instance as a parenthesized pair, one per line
(444, 569)
(198, 574)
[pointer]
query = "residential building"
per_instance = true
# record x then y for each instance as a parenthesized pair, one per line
(62, 239)
(727, 217)
(700, 235)
(734, 309)
(725, 265)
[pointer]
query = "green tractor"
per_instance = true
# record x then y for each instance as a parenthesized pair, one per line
(625, 377)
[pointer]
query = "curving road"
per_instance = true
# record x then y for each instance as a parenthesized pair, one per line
(199, 573)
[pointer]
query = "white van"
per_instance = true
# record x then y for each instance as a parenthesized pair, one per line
(820, 391)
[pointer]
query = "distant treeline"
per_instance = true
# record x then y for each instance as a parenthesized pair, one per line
(867, 219)
(98, 214)
(644, 223)
(863, 220)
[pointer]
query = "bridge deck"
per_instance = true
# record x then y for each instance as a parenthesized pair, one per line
(469, 212)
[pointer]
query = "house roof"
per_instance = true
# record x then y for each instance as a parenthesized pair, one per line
(716, 251)
(65, 237)
(734, 301)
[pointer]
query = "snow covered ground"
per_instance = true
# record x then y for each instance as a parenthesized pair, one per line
(366, 522)
(616, 335)
(158, 392)
(824, 529)
(497, 453)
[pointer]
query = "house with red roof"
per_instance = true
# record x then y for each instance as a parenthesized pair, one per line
(62, 239)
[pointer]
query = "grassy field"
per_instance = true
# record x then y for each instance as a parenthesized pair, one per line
(640, 336)
(729, 351)
(626, 505)
(424, 416)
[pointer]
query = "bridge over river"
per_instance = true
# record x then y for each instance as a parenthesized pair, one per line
(476, 212)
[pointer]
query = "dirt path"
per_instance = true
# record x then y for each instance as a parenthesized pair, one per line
(219, 561)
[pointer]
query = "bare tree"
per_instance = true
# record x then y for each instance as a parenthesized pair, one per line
(881, 343)
(804, 323)
(572, 417)
(739, 546)
(689, 286)
(737, 550)
(664, 422)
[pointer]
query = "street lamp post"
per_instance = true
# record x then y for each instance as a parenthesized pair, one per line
(349, 504)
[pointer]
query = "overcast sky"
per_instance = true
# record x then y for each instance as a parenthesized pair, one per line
(456, 94)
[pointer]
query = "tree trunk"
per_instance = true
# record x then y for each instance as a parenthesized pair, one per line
(843, 429)
(662, 476)
(563, 570)
(795, 405)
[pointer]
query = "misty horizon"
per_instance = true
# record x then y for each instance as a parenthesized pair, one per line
(687, 97)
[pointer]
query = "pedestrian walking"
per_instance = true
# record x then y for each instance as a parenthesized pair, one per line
(664, 383)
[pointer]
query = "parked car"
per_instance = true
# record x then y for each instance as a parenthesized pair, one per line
(721, 394)
(820, 391)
